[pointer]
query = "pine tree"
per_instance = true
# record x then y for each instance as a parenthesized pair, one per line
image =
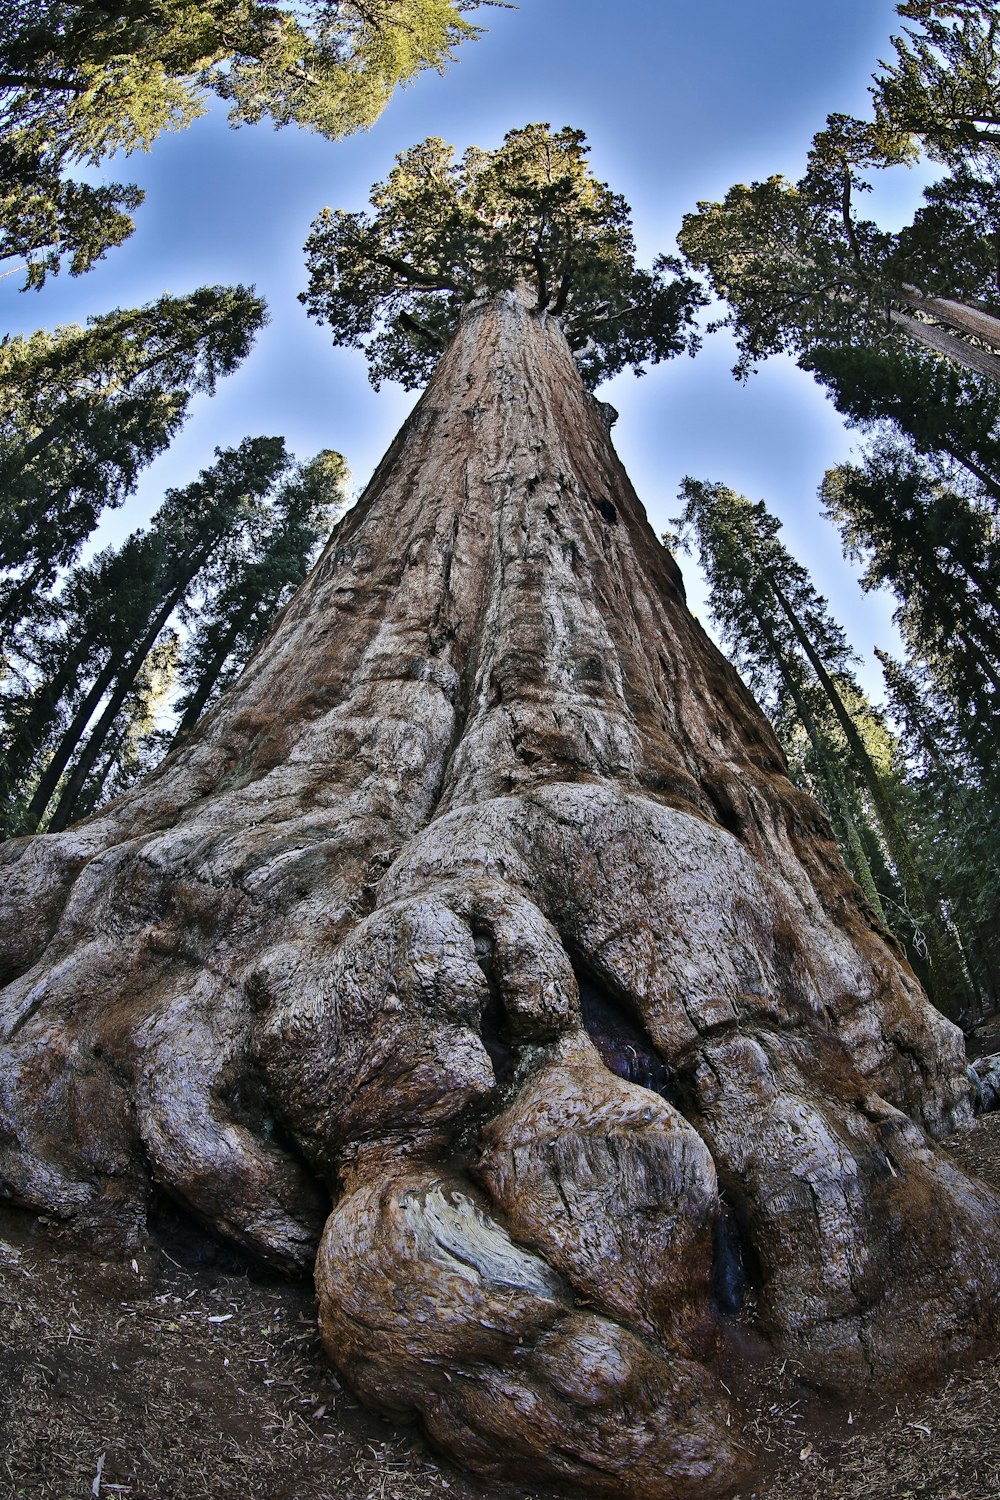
(232, 622)
(59, 655)
(819, 759)
(939, 553)
(944, 85)
(196, 532)
(767, 609)
(940, 409)
(954, 799)
(138, 739)
(83, 409)
(82, 82)
(802, 271)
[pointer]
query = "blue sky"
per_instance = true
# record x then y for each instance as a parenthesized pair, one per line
(678, 100)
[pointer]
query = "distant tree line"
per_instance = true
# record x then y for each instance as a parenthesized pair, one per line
(903, 330)
(91, 665)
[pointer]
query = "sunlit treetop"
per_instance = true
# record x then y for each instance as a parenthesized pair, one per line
(81, 81)
(943, 85)
(442, 232)
(112, 76)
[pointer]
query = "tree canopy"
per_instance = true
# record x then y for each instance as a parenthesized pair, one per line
(915, 531)
(81, 82)
(442, 231)
(83, 409)
(804, 271)
(944, 82)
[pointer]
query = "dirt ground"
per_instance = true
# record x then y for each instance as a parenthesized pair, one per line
(184, 1374)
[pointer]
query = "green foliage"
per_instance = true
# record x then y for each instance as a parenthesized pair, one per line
(81, 82)
(442, 232)
(46, 219)
(796, 265)
(918, 532)
(944, 84)
(952, 810)
(83, 409)
(782, 635)
(871, 314)
(744, 560)
(233, 616)
(137, 741)
(86, 678)
(952, 247)
(803, 271)
(940, 408)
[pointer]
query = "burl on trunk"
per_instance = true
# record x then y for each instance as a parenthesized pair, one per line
(483, 906)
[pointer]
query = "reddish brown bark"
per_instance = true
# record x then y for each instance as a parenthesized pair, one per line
(481, 908)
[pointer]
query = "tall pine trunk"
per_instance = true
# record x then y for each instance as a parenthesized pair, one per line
(65, 749)
(947, 981)
(23, 751)
(118, 673)
(975, 321)
(840, 808)
(212, 671)
(124, 682)
(480, 920)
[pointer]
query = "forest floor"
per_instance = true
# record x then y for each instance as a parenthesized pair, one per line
(183, 1374)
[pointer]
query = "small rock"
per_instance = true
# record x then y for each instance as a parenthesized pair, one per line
(984, 1075)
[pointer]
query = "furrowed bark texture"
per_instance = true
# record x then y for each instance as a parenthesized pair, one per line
(482, 907)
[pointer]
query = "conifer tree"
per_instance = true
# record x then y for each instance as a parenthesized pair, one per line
(769, 613)
(917, 533)
(83, 409)
(939, 408)
(233, 619)
(80, 82)
(195, 534)
(953, 800)
(442, 232)
(137, 739)
(944, 83)
(803, 272)
(57, 654)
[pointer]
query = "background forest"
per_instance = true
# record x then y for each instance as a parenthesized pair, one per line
(176, 434)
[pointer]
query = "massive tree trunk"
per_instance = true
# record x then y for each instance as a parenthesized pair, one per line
(481, 909)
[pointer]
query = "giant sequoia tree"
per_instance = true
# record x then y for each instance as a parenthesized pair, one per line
(479, 922)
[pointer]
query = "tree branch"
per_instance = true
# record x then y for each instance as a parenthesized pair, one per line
(414, 276)
(413, 325)
(31, 81)
(562, 296)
